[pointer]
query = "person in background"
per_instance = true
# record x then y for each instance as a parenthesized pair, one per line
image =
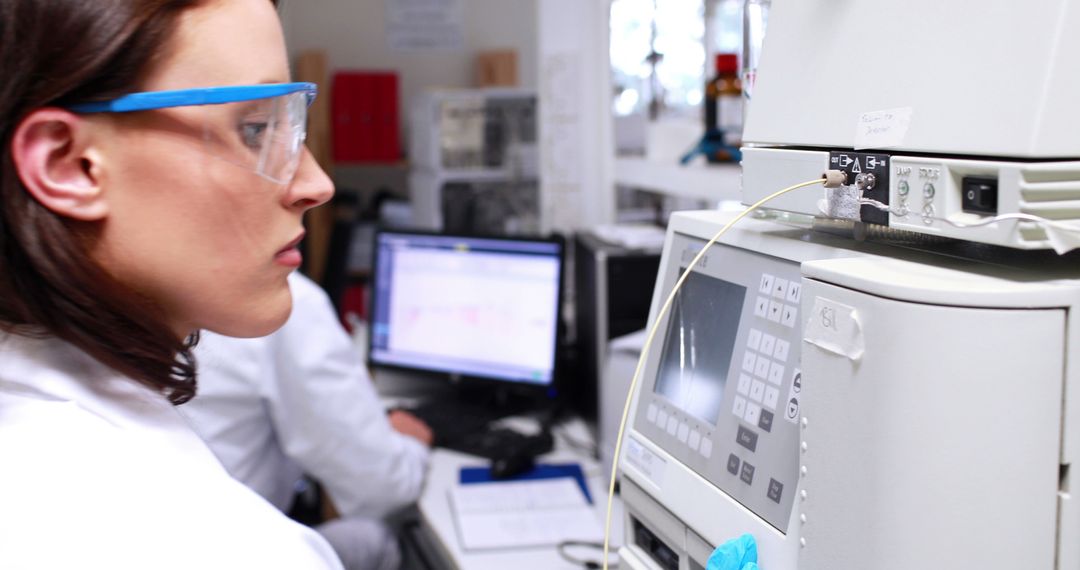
(153, 184)
(300, 401)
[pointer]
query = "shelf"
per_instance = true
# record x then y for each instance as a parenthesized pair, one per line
(469, 174)
(705, 181)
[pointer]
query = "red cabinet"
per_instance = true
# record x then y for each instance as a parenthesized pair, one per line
(364, 105)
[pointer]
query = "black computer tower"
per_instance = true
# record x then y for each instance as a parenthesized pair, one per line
(613, 288)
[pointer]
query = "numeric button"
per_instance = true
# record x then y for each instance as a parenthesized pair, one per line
(782, 348)
(753, 341)
(768, 342)
(757, 391)
(744, 384)
(748, 361)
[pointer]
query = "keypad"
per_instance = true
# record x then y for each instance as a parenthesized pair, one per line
(765, 356)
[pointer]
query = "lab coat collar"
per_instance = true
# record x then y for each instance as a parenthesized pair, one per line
(51, 370)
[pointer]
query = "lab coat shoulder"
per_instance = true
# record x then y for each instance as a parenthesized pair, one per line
(85, 486)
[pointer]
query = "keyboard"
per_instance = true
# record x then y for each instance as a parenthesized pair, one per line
(468, 429)
(491, 443)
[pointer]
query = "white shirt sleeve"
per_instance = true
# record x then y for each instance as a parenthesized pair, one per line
(327, 415)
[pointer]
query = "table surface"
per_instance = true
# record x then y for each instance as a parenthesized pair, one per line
(437, 518)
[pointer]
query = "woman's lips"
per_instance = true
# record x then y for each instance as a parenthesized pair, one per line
(289, 255)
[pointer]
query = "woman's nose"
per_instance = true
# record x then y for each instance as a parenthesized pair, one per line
(311, 186)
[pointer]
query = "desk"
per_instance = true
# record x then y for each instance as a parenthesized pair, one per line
(437, 534)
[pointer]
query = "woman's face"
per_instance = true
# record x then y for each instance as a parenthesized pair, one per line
(204, 236)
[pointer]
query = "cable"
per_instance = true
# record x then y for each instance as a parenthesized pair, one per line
(983, 222)
(584, 563)
(1060, 243)
(830, 178)
(581, 445)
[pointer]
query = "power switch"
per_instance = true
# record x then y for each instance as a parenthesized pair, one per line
(980, 195)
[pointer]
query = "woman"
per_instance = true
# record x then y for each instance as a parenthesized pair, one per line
(153, 183)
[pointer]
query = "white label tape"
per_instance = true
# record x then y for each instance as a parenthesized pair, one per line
(648, 463)
(882, 129)
(835, 327)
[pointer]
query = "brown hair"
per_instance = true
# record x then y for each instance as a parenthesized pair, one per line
(55, 53)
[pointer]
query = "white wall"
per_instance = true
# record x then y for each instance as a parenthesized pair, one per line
(576, 132)
(354, 36)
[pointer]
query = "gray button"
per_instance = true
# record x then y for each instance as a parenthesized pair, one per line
(776, 489)
(796, 383)
(793, 408)
(733, 464)
(747, 438)
(747, 474)
(765, 421)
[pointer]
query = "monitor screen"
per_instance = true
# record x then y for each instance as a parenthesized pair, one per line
(469, 306)
(705, 314)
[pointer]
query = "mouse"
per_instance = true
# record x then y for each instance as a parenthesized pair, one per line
(512, 464)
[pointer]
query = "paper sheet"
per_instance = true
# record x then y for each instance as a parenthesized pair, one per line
(515, 514)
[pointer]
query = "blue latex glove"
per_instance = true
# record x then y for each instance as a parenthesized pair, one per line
(735, 554)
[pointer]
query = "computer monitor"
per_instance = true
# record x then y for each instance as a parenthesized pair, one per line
(468, 307)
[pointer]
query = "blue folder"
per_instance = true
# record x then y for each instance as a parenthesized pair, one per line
(541, 471)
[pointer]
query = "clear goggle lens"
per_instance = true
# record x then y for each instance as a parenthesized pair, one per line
(265, 135)
(261, 127)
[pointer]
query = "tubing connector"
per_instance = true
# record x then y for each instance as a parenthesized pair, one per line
(834, 178)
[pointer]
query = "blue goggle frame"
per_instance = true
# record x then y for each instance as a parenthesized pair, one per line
(149, 100)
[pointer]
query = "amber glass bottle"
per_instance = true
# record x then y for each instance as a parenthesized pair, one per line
(723, 100)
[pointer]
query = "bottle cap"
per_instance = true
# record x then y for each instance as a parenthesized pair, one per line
(727, 63)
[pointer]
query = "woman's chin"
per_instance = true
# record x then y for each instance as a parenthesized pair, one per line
(263, 321)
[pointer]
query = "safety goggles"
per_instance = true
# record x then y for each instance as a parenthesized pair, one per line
(261, 127)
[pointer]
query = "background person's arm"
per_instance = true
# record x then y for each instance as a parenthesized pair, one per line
(329, 418)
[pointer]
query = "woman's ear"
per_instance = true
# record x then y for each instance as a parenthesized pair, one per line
(58, 165)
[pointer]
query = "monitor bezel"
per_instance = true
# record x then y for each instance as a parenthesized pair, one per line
(549, 390)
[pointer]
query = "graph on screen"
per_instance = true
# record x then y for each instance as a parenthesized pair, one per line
(474, 310)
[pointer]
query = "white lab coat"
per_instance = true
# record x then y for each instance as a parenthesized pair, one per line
(97, 471)
(300, 400)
